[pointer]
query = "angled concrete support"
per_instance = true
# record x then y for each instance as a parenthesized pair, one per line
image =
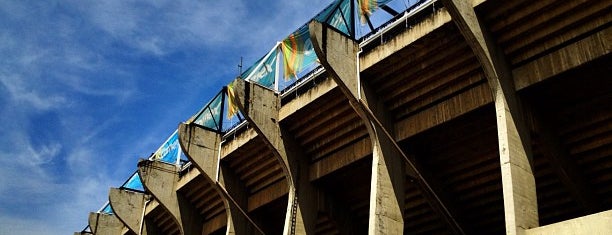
(201, 147)
(239, 197)
(161, 179)
(519, 189)
(129, 208)
(261, 107)
(105, 224)
(339, 55)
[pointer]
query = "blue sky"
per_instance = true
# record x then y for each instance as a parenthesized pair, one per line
(88, 87)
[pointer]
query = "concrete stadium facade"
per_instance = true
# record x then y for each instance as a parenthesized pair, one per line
(472, 117)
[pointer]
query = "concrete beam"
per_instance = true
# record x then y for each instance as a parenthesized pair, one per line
(105, 224)
(201, 147)
(519, 189)
(600, 223)
(129, 208)
(161, 179)
(338, 54)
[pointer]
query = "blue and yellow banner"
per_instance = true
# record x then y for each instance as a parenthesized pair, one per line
(232, 107)
(298, 52)
(367, 7)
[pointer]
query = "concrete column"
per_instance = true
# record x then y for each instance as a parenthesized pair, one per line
(519, 188)
(129, 208)
(161, 179)
(201, 147)
(338, 54)
(105, 224)
(261, 107)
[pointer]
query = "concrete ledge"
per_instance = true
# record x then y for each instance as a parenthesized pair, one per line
(600, 223)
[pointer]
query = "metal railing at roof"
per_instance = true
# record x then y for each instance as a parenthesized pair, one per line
(214, 115)
(340, 14)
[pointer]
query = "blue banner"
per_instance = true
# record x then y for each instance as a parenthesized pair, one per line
(263, 71)
(338, 15)
(211, 115)
(170, 151)
(106, 209)
(134, 183)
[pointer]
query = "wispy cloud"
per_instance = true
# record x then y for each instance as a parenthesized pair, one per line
(88, 87)
(27, 96)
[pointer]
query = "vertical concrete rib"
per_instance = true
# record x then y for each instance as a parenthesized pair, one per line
(388, 172)
(201, 147)
(338, 54)
(129, 207)
(105, 224)
(261, 107)
(519, 189)
(161, 179)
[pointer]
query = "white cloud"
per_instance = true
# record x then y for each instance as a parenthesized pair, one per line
(63, 76)
(24, 95)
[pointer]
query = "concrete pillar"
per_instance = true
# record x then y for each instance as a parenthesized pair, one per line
(129, 208)
(261, 107)
(161, 179)
(105, 224)
(519, 188)
(201, 147)
(338, 54)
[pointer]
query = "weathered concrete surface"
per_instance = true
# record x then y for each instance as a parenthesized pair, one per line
(128, 207)
(161, 180)
(201, 147)
(595, 224)
(238, 223)
(309, 96)
(571, 56)
(519, 189)
(261, 108)
(105, 224)
(338, 54)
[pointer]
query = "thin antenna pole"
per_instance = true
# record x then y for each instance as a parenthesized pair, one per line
(240, 67)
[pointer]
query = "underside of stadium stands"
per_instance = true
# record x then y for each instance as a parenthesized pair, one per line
(419, 151)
